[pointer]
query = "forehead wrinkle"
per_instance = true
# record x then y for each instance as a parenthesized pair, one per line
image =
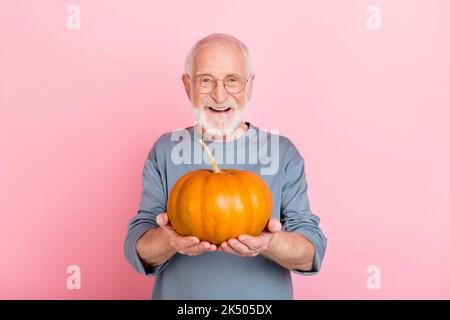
(219, 67)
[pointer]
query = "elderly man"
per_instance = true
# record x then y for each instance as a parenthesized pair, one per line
(218, 80)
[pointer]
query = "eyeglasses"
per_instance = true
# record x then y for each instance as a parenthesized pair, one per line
(233, 83)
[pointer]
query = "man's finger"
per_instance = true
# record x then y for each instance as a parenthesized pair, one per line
(206, 246)
(226, 248)
(172, 233)
(187, 242)
(274, 225)
(202, 247)
(162, 219)
(252, 243)
(239, 246)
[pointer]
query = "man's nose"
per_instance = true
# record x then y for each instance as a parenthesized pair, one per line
(220, 94)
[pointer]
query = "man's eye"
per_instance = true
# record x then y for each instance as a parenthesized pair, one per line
(233, 81)
(205, 80)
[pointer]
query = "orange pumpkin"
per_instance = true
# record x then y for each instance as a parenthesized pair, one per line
(216, 205)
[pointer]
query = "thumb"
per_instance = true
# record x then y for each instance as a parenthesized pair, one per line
(274, 225)
(162, 219)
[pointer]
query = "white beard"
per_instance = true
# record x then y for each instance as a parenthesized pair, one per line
(201, 117)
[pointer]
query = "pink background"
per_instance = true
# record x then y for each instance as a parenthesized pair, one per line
(368, 109)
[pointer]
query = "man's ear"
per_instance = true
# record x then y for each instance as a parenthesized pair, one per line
(250, 87)
(187, 85)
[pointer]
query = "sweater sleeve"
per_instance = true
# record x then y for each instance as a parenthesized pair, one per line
(296, 215)
(152, 203)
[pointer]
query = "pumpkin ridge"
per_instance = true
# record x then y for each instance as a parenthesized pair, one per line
(257, 188)
(184, 221)
(201, 212)
(173, 200)
(209, 222)
(229, 185)
(247, 204)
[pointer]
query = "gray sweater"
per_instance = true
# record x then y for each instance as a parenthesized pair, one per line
(219, 275)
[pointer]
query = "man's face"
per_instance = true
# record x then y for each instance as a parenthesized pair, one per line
(219, 111)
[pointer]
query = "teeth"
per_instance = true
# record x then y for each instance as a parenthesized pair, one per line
(219, 109)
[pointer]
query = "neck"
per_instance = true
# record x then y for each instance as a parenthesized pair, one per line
(238, 132)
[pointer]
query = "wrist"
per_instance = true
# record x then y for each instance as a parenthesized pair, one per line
(141, 246)
(273, 242)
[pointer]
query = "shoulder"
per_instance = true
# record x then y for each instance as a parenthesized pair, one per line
(291, 162)
(286, 147)
(167, 139)
(164, 143)
(291, 157)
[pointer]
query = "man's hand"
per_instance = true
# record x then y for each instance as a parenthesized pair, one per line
(191, 246)
(248, 246)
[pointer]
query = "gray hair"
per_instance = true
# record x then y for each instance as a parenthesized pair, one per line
(217, 37)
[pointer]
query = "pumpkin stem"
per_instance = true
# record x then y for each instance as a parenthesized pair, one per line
(210, 156)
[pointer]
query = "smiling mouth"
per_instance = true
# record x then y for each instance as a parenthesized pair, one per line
(219, 110)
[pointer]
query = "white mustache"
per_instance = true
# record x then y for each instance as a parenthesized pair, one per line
(209, 103)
